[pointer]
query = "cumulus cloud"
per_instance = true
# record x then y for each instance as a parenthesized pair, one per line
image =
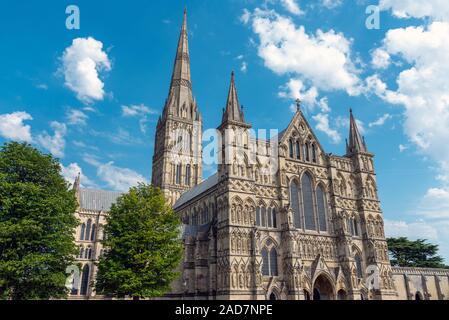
(423, 88)
(380, 59)
(141, 111)
(82, 64)
(70, 173)
(12, 126)
(435, 9)
(292, 6)
(322, 124)
(76, 117)
(323, 58)
(296, 89)
(381, 121)
(56, 143)
(116, 178)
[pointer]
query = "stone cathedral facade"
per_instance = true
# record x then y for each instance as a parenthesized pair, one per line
(281, 218)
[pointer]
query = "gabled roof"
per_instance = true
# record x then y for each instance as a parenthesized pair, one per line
(97, 200)
(197, 190)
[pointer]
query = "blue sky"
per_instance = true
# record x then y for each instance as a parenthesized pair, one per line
(100, 119)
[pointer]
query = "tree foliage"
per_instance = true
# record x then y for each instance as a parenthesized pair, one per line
(142, 244)
(419, 253)
(36, 224)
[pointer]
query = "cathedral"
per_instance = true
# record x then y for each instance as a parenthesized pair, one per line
(281, 219)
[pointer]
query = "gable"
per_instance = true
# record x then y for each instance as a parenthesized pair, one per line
(300, 127)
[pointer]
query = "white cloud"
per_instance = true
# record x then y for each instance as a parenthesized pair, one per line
(381, 121)
(76, 117)
(292, 6)
(413, 230)
(331, 4)
(70, 173)
(140, 111)
(380, 59)
(435, 9)
(323, 58)
(117, 178)
(323, 126)
(423, 89)
(245, 17)
(12, 126)
(82, 64)
(56, 143)
(244, 67)
(296, 89)
(402, 148)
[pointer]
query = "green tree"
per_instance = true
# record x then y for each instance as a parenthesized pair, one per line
(143, 247)
(36, 224)
(419, 253)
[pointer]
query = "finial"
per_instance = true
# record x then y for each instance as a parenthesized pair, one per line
(232, 75)
(298, 104)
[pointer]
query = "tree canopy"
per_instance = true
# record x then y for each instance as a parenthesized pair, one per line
(36, 224)
(143, 247)
(419, 253)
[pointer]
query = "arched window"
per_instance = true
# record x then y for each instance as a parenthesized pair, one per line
(264, 216)
(358, 264)
(273, 262)
(273, 214)
(265, 263)
(307, 198)
(306, 152)
(294, 203)
(178, 174)
(290, 147)
(321, 206)
(89, 224)
(188, 174)
(356, 227)
(314, 153)
(83, 231)
(85, 280)
(258, 216)
(270, 217)
(298, 150)
(351, 225)
(92, 236)
(81, 252)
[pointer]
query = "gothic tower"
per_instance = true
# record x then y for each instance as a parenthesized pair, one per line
(177, 160)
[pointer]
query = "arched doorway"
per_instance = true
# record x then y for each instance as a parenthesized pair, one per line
(341, 294)
(85, 280)
(418, 296)
(323, 289)
(273, 296)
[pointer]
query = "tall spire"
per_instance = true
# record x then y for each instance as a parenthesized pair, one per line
(356, 142)
(77, 186)
(181, 85)
(233, 111)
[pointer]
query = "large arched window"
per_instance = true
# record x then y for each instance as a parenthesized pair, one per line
(83, 231)
(265, 263)
(273, 217)
(358, 264)
(87, 235)
(269, 262)
(258, 222)
(321, 206)
(85, 280)
(264, 216)
(294, 203)
(307, 198)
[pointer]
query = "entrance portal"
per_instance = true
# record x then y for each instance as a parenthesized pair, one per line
(323, 289)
